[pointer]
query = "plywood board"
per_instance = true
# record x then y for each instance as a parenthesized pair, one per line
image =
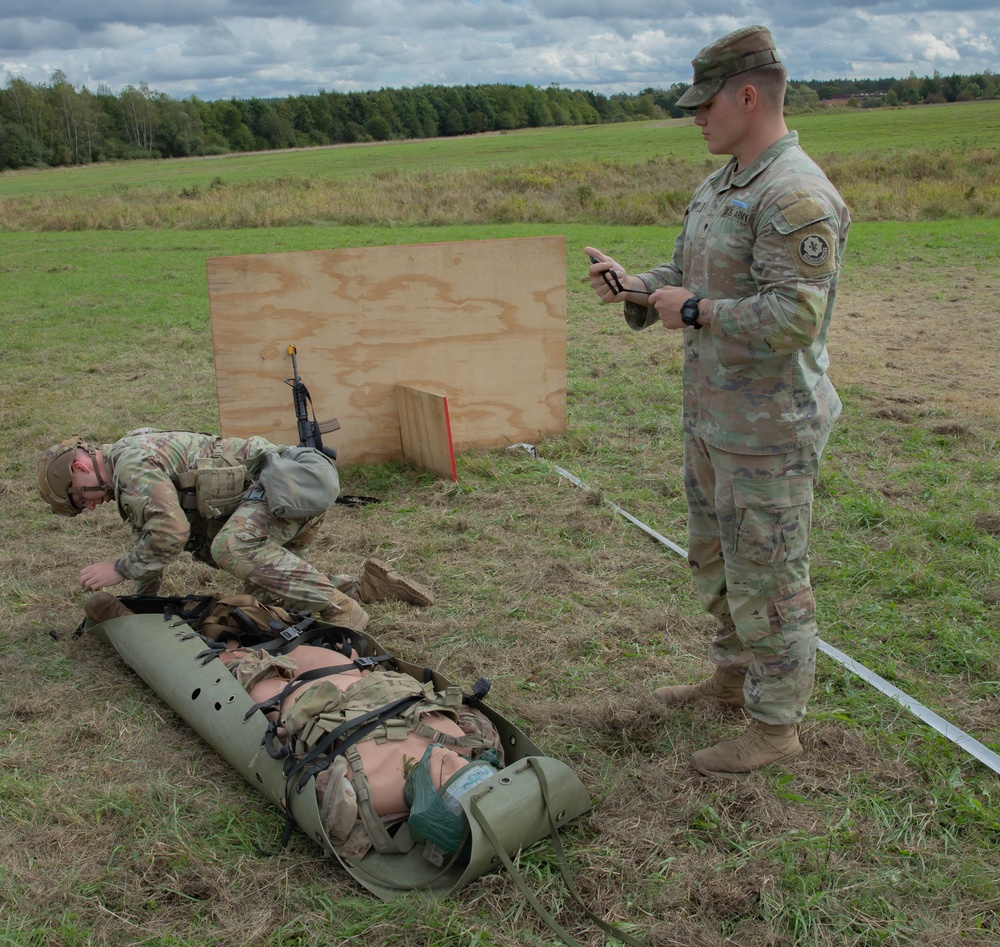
(481, 322)
(425, 431)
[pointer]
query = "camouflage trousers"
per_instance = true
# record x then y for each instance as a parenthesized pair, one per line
(265, 551)
(748, 522)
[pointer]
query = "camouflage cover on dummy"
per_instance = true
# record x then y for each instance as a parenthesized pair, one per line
(515, 806)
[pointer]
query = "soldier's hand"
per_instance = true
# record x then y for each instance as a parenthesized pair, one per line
(667, 301)
(606, 276)
(100, 575)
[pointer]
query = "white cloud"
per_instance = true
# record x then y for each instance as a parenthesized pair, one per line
(934, 49)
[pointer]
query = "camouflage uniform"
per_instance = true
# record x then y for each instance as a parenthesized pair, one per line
(252, 543)
(763, 248)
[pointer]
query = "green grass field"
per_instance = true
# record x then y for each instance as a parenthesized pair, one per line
(117, 825)
(837, 133)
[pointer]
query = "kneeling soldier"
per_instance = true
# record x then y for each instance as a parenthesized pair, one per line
(210, 495)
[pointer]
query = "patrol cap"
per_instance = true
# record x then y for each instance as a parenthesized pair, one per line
(736, 52)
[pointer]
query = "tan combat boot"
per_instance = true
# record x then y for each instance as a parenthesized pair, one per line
(345, 613)
(760, 744)
(380, 583)
(726, 686)
(102, 606)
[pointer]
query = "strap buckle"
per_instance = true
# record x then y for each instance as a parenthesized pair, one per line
(294, 631)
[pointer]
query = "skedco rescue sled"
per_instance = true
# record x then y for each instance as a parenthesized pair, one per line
(495, 806)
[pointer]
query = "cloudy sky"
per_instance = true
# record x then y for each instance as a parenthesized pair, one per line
(241, 48)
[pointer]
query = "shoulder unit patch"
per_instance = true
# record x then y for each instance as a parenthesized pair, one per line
(814, 249)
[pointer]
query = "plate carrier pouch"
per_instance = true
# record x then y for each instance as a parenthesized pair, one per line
(215, 486)
(527, 800)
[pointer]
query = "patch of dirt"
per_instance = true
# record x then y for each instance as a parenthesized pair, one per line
(921, 347)
(987, 523)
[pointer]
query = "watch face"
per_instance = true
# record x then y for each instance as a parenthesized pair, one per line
(689, 313)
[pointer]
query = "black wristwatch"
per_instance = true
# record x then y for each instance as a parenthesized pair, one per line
(689, 312)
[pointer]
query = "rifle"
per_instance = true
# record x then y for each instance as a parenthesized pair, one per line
(310, 432)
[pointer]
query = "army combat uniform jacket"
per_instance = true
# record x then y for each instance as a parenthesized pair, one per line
(764, 246)
(146, 468)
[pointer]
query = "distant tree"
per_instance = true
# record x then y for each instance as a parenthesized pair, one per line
(800, 98)
(139, 117)
(273, 131)
(645, 106)
(378, 128)
(113, 144)
(666, 99)
(80, 120)
(387, 104)
(931, 86)
(952, 87)
(452, 112)
(180, 130)
(295, 110)
(479, 104)
(17, 148)
(969, 90)
(310, 116)
(227, 119)
(427, 119)
(908, 90)
(25, 105)
(538, 111)
(583, 110)
(509, 107)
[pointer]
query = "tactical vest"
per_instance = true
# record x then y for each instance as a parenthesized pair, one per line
(209, 494)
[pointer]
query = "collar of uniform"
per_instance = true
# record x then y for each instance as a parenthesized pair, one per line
(109, 463)
(763, 160)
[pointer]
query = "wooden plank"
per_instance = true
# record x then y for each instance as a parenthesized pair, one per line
(481, 322)
(425, 431)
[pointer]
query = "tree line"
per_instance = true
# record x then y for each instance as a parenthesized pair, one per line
(57, 123)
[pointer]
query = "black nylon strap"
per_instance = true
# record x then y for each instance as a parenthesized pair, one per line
(349, 733)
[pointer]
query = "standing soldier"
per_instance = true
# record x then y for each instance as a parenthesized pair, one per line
(751, 284)
(243, 505)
